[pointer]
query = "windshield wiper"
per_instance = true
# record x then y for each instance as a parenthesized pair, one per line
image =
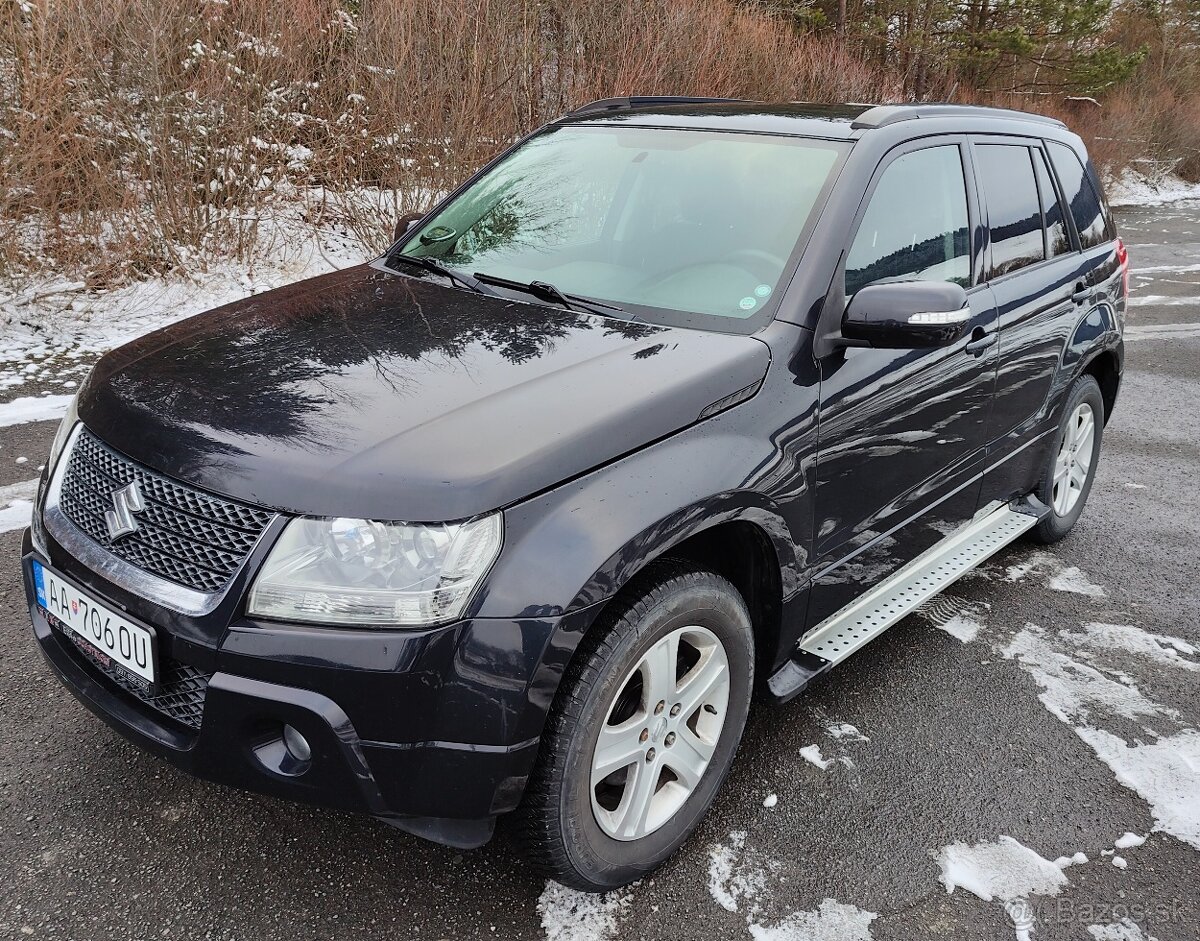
(432, 264)
(544, 290)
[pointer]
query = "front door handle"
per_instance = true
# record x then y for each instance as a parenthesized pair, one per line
(980, 341)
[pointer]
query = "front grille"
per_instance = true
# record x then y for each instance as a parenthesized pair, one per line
(185, 535)
(181, 688)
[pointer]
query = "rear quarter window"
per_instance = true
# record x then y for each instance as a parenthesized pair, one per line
(1091, 218)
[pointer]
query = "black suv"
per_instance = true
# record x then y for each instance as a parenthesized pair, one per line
(675, 401)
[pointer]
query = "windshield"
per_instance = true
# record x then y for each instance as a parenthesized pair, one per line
(675, 226)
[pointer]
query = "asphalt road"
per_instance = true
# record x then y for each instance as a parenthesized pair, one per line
(967, 741)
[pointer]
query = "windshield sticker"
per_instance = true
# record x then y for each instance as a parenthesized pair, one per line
(747, 303)
(763, 290)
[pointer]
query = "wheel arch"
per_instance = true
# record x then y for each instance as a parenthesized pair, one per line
(1096, 349)
(1105, 367)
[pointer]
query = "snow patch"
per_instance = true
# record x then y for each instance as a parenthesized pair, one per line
(17, 515)
(844, 730)
(31, 408)
(770, 800)
(1058, 576)
(1128, 841)
(1073, 690)
(569, 915)
(1072, 579)
(1119, 862)
(1165, 773)
(832, 921)
(1075, 859)
(1163, 650)
(1123, 930)
(1133, 188)
(962, 626)
(735, 878)
(1004, 870)
(812, 754)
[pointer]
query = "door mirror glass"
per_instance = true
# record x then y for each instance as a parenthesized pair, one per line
(405, 223)
(907, 314)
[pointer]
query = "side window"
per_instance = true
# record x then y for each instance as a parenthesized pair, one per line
(1080, 194)
(1057, 240)
(1014, 212)
(915, 227)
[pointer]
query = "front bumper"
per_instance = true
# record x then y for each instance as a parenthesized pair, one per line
(434, 731)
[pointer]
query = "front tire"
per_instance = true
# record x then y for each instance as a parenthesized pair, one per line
(1071, 466)
(642, 732)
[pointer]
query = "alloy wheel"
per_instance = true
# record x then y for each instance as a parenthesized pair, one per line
(1073, 465)
(659, 733)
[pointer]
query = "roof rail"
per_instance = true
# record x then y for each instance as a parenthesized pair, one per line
(883, 115)
(645, 101)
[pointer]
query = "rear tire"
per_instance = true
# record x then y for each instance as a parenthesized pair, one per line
(1071, 465)
(670, 739)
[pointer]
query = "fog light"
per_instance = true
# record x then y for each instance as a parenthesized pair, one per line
(297, 744)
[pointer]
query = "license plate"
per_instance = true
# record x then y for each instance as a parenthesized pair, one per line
(109, 638)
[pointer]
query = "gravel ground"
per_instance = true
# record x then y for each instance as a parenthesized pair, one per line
(960, 742)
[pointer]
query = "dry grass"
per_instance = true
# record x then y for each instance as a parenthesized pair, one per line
(139, 135)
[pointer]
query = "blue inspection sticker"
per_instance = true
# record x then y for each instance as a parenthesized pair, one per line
(763, 290)
(747, 303)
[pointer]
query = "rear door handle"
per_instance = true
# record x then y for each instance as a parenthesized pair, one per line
(981, 343)
(1082, 294)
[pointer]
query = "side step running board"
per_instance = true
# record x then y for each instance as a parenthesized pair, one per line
(843, 633)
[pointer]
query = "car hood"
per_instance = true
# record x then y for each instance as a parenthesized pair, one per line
(372, 394)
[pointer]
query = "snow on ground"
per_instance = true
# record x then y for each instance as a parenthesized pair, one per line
(1057, 576)
(832, 921)
(57, 318)
(962, 626)
(738, 879)
(957, 617)
(29, 408)
(736, 876)
(1123, 930)
(812, 754)
(1139, 189)
(1003, 870)
(16, 505)
(1127, 840)
(1163, 650)
(1163, 767)
(844, 730)
(770, 801)
(569, 915)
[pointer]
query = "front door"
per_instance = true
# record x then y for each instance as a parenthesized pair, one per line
(902, 432)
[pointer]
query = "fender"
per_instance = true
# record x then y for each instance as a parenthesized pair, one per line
(577, 545)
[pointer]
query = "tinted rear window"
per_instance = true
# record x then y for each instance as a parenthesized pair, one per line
(1086, 208)
(1014, 212)
(1057, 240)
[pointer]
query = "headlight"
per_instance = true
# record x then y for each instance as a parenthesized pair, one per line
(374, 574)
(62, 435)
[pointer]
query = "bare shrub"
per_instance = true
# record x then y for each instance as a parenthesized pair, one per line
(140, 135)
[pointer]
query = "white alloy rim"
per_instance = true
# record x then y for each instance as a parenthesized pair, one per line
(1074, 462)
(659, 733)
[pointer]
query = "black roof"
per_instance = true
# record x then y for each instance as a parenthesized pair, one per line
(799, 118)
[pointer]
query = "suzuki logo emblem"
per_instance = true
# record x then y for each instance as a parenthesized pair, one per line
(126, 502)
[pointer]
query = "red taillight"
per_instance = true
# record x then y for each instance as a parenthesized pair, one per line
(1123, 261)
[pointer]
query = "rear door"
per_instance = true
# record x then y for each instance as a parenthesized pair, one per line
(902, 432)
(1039, 271)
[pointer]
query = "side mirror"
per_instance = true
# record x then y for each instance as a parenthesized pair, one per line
(901, 315)
(405, 223)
